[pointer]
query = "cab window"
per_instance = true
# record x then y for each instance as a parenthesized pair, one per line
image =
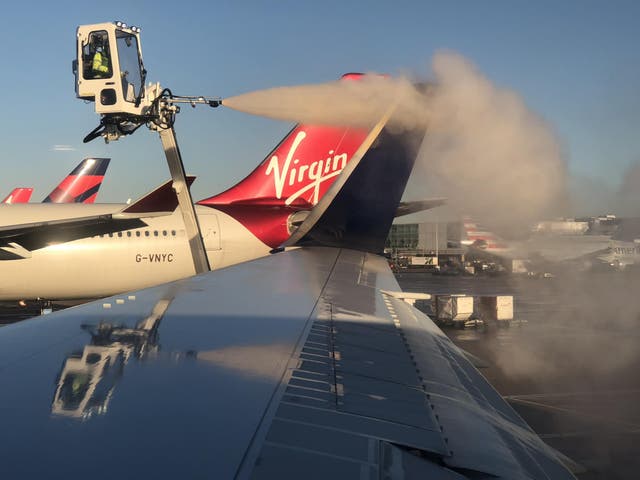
(96, 56)
(130, 71)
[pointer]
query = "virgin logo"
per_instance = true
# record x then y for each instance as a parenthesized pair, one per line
(305, 177)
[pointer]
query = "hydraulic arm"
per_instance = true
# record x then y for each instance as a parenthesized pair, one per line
(109, 71)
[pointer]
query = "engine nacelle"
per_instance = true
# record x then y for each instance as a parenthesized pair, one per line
(109, 69)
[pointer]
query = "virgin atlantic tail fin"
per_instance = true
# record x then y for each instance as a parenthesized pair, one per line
(19, 195)
(300, 170)
(82, 184)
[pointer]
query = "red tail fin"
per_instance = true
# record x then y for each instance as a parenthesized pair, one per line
(299, 170)
(293, 177)
(82, 184)
(477, 236)
(19, 195)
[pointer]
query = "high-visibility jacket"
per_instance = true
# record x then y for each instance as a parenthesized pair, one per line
(100, 67)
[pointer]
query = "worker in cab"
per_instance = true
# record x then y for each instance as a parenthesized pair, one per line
(100, 67)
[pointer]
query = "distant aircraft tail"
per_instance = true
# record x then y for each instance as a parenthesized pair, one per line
(19, 195)
(82, 184)
(476, 236)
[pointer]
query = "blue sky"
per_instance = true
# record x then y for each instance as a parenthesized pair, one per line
(576, 64)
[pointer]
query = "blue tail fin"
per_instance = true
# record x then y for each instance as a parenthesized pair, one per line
(360, 206)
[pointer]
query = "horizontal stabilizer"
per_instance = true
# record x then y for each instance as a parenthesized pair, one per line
(162, 199)
(407, 208)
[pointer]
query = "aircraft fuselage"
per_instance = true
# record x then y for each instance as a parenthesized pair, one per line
(108, 264)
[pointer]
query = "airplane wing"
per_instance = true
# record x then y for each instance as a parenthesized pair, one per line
(19, 240)
(302, 364)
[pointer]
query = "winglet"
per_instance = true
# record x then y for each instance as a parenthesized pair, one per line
(162, 199)
(19, 195)
(360, 206)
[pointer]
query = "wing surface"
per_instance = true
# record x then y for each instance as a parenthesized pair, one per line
(300, 364)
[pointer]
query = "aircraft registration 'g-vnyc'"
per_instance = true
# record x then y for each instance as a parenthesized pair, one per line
(302, 364)
(244, 222)
(80, 186)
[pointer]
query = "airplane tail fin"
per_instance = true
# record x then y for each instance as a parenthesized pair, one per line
(19, 195)
(476, 236)
(300, 170)
(358, 209)
(159, 201)
(82, 184)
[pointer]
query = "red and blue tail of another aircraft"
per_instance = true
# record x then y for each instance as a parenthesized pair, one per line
(19, 195)
(82, 184)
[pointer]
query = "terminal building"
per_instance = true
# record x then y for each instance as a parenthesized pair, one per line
(442, 243)
(428, 239)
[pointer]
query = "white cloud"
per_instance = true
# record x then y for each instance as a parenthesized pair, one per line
(63, 148)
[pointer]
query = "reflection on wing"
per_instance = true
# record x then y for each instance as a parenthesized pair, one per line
(249, 360)
(88, 379)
